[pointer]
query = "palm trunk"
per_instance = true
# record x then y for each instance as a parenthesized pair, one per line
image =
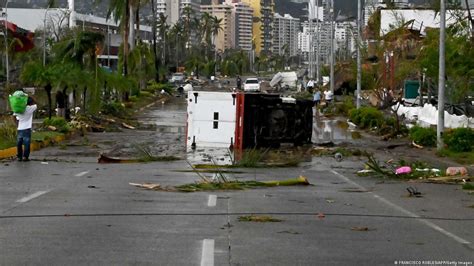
(126, 34)
(132, 27)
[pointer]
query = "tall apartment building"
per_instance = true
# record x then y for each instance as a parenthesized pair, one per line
(285, 34)
(223, 39)
(241, 25)
(173, 9)
(263, 11)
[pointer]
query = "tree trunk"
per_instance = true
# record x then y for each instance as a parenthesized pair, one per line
(131, 37)
(48, 89)
(66, 104)
(84, 96)
(126, 33)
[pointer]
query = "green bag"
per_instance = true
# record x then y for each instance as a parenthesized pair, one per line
(18, 102)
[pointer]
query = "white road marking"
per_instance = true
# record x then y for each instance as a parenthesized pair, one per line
(211, 202)
(32, 196)
(405, 211)
(207, 257)
(82, 173)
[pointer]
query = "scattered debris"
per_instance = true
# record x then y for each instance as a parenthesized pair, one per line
(146, 185)
(403, 170)
(354, 190)
(107, 159)
(365, 172)
(258, 219)
(91, 187)
(125, 125)
(452, 171)
(289, 232)
(208, 185)
(446, 180)
(338, 156)
(44, 163)
(321, 215)
(360, 228)
(416, 145)
(330, 201)
(414, 192)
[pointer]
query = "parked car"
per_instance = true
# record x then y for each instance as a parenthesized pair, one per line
(252, 84)
(177, 78)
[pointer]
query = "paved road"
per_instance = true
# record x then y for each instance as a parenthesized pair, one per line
(83, 213)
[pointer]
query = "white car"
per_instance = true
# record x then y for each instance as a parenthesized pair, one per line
(177, 78)
(252, 84)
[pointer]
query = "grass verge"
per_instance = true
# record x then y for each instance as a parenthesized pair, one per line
(459, 157)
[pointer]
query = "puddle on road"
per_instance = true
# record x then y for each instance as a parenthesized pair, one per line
(325, 129)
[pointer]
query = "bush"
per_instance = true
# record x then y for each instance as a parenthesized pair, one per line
(58, 122)
(346, 106)
(366, 117)
(8, 131)
(423, 136)
(154, 87)
(116, 109)
(460, 139)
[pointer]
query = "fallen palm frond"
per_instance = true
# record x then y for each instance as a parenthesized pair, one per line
(229, 185)
(108, 159)
(258, 219)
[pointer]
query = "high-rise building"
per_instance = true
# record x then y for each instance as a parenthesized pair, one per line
(285, 35)
(242, 22)
(223, 40)
(173, 9)
(262, 24)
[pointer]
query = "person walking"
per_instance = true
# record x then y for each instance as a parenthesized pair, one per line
(61, 104)
(310, 85)
(328, 95)
(316, 98)
(239, 82)
(25, 123)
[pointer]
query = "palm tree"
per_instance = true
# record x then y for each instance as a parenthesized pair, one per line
(163, 28)
(120, 10)
(215, 28)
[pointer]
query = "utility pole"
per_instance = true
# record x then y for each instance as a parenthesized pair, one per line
(331, 19)
(318, 71)
(441, 77)
(359, 61)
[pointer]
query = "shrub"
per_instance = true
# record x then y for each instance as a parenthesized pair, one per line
(59, 123)
(366, 117)
(8, 131)
(116, 109)
(346, 106)
(154, 87)
(423, 136)
(459, 139)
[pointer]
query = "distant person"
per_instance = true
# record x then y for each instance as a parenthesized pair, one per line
(310, 85)
(239, 83)
(25, 123)
(328, 96)
(317, 98)
(61, 104)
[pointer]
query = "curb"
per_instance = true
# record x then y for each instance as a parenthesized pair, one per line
(36, 145)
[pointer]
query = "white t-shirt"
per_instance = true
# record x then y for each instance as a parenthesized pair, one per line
(25, 120)
(328, 95)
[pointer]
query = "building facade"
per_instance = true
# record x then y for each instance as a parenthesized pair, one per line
(285, 35)
(173, 9)
(223, 40)
(241, 25)
(263, 11)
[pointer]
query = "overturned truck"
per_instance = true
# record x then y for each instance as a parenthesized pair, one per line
(246, 120)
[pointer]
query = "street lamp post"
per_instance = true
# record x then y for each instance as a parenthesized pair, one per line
(441, 77)
(331, 21)
(359, 43)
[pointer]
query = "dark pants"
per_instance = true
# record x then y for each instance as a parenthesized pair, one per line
(23, 139)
